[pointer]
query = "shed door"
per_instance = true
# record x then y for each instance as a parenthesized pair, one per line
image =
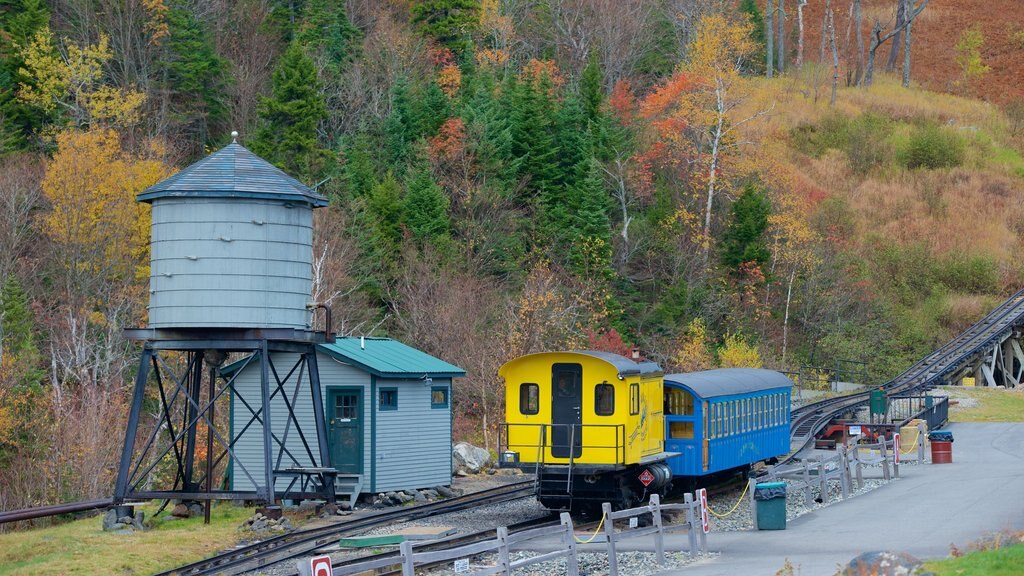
(345, 429)
(566, 410)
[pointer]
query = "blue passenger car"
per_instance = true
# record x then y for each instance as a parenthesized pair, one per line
(725, 420)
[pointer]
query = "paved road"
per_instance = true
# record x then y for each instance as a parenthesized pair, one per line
(929, 508)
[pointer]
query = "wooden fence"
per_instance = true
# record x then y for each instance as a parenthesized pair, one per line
(505, 541)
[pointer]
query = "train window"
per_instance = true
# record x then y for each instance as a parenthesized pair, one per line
(731, 407)
(680, 429)
(604, 399)
(634, 399)
(678, 402)
(714, 422)
(529, 398)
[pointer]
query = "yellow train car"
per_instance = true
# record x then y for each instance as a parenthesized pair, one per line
(590, 424)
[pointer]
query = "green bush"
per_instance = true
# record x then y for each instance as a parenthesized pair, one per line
(931, 146)
(969, 273)
(867, 144)
(832, 133)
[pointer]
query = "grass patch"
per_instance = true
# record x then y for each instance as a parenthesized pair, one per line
(1000, 555)
(81, 547)
(993, 405)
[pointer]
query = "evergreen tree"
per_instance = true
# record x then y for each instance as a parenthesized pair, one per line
(429, 111)
(425, 207)
(17, 343)
(450, 22)
(590, 249)
(326, 30)
(287, 134)
(534, 121)
(19, 21)
(590, 89)
(386, 213)
(193, 78)
(491, 129)
(398, 127)
(743, 241)
(756, 63)
(359, 173)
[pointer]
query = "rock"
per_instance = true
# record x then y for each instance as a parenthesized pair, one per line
(470, 458)
(344, 505)
(444, 491)
(461, 473)
(124, 520)
(429, 494)
(405, 498)
(259, 525)
(418, 496)
(196, 509)
(181, 511)
(110, 520)
(137, 522)
(881, 563)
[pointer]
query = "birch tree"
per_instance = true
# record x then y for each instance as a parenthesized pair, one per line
(877, 39)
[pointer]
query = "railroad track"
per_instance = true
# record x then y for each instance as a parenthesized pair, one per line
(303, 542)
(810, 419)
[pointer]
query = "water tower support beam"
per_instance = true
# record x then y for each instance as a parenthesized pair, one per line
(318, 409)
(193, 382)
(121, 486)
(268, 441)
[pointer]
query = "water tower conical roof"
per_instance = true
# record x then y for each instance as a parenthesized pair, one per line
(233, 172)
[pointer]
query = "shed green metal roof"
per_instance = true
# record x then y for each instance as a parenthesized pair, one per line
(233, 172)
(388, 358)
(382, 357)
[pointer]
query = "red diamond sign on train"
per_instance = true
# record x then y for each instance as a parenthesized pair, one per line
(646, 477)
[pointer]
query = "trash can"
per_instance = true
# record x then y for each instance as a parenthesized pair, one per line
(771, 505)
(942, 446)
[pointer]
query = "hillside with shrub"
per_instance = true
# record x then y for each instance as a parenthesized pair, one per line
(507, 177)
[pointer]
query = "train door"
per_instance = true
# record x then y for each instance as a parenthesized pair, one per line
(566, 410)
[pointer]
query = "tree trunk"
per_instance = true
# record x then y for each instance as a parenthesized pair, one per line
(769, 20)
(901, 14)
(716, 145)
(906, 54)
(800, 36)
(835, 52)
(780, 54)
(858, 22)
(876, 40)
(785, 318)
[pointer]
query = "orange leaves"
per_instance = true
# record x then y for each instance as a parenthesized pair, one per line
(666, 96)
(450, 140)
(491, 58)
(450, 80)
(543, 73)
(623, 102)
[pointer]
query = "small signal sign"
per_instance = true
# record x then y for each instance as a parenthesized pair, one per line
(896, 448)
(321, 566)
(646, 477)
(702, 497)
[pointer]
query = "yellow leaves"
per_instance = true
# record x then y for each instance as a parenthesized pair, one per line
(156, 21)
(91, 183)
(72, 80)
(491, 58)
(737, 353)
(693, 353)
(719, 48)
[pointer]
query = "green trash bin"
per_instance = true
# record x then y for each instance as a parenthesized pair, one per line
(771, 505)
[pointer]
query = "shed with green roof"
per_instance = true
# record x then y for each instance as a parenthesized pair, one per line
(388, 411)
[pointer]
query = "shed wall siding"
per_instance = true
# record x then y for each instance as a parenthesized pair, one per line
(414, 442)
(249, 447)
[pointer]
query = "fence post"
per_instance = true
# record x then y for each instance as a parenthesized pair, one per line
(503, 560)
(822, 482)
(807, 484)
(408, 563)
(860, 466)
(691, 522)
(609, 533)
(571, 562)
(844, 472)
(885, 461)
(751, 488)
(896, 458)
(920, 442)
(659, 538)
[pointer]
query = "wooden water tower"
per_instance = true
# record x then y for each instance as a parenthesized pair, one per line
(230, 272)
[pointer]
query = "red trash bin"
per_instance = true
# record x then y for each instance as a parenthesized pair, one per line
(942, 446)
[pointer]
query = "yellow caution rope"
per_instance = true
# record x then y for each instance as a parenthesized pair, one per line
(747, 485)
(908, 447)
(594, 535)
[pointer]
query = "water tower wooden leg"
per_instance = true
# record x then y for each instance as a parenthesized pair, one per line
(268, 440)
(121, 486)
(193, 381)
(319, 417)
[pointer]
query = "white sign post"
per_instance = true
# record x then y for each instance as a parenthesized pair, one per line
(702, 496)
(896, 448)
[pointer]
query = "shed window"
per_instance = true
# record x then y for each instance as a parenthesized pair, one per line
(604, 399)
(529, 398)
(439, 397)
(634, 399)
(388, 399)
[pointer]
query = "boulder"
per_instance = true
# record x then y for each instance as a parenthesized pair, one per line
(470, 458)
(110, 520)
(181, 511)
(444, 491)
(881, 563)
